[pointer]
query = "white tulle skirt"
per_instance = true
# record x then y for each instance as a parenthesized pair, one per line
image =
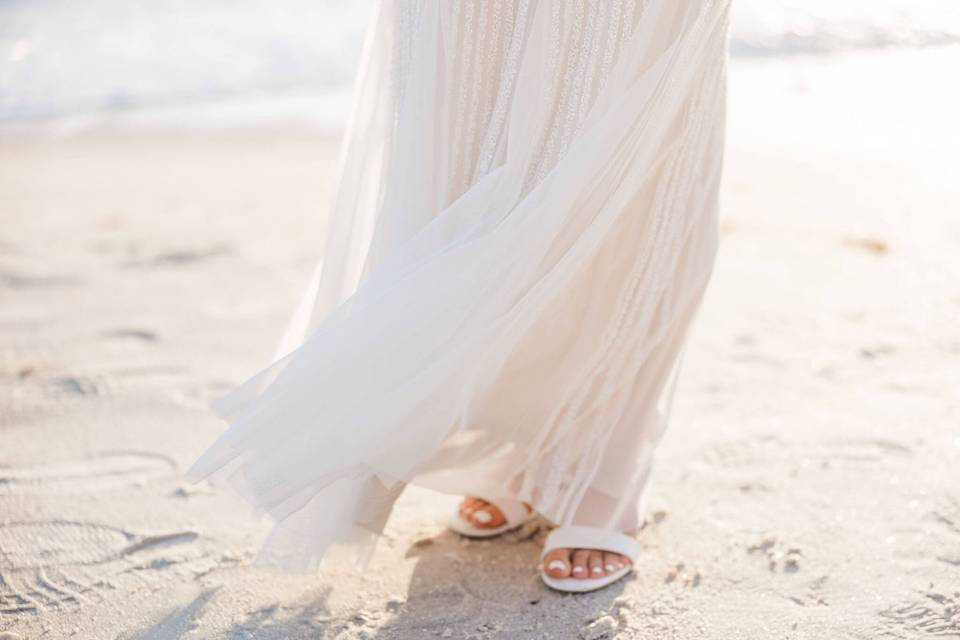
(524, 227)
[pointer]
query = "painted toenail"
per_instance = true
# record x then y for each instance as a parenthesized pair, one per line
(557, 565)
(482, 517)
(610, 567)
(578, 569)
(597, 570)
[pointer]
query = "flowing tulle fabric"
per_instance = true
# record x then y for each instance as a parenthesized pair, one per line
(523, 230)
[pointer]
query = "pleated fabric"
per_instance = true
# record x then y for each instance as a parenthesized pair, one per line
(524, 226)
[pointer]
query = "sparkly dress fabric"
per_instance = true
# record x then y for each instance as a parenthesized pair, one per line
(524, 226)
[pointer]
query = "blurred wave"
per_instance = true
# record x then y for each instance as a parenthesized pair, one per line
(63, 57)
(778, 27)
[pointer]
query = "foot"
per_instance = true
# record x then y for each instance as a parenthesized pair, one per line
(483, 514)
(583, 563)
(559, 563)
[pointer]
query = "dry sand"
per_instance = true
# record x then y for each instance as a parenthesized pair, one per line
(807, 488)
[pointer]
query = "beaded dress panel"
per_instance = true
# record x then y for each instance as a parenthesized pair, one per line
(524, 226)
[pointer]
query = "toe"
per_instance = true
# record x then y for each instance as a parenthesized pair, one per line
(595, 564)
(580, 558)
(612, 562)
(487, 516)
(557, 563)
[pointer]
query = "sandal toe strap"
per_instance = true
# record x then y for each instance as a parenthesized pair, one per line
(580, 537)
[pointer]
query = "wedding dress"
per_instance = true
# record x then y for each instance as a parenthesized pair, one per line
(524, 226)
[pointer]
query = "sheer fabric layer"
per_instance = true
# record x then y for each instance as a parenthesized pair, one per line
(524, 227)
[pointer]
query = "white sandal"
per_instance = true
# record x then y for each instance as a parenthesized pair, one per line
(515, 515)
(578, 537)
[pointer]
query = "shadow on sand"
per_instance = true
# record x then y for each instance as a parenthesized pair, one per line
(459, 588)
(488, 590)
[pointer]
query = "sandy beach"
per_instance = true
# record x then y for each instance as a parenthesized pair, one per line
(808, 487)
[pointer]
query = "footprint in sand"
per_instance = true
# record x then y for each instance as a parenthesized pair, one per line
(44, 589)
(35, 557)
(101, 472)
(62, 543)
(58, 543)
(933, 613)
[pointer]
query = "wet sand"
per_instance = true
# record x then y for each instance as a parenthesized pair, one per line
(807, 487)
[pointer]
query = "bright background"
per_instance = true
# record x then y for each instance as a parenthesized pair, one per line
(165, 168)
(258, 60)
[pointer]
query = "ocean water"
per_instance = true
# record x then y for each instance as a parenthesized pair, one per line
(223, 61)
